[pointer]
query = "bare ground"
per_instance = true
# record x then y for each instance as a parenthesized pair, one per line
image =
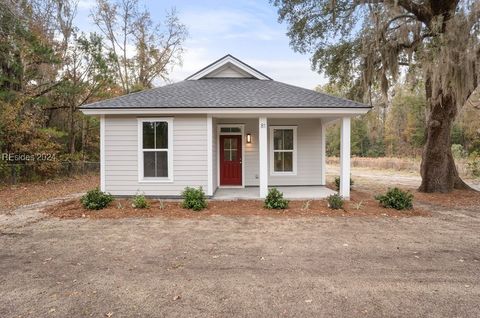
(15, 196)
(242, 266)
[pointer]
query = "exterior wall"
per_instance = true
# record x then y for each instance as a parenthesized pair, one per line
(309, 147)
(228, 72)
(309, 133)
(121, 156)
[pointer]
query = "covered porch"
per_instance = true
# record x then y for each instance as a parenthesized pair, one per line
(248, 145)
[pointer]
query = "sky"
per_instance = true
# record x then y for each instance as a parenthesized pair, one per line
(247, 29)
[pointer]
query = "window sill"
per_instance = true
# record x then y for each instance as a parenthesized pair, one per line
(282, 174)
(156, 180)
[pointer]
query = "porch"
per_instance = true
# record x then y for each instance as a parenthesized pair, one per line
(290, 193)
(250, 154)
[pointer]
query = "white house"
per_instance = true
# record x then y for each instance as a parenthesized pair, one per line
(228, 125)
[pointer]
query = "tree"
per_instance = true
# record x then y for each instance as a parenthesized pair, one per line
(376, 42)
(86, 76)
(143, 51)
(24, 53)
(405, 123)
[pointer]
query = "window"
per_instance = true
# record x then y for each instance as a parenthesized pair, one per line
(230, 129)
(283, 150)
(155, 154)
(230, 149)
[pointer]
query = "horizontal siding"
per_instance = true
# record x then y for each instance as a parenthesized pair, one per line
(121, 156)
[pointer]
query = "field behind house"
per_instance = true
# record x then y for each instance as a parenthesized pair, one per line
(396, 164)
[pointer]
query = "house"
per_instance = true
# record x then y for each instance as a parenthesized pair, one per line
(226, 126)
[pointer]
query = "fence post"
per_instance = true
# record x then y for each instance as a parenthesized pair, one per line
(14, 174)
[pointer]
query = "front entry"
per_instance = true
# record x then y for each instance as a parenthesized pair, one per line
(230, 160)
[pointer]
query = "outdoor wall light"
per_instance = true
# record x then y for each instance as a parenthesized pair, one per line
(249, 138)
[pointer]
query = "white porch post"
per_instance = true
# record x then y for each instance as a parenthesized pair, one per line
(323, 153)
(345, 158)
(209, 155)
(263, 156)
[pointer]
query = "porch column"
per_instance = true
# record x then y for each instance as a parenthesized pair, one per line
(263, 156)
(209, 155)
(345, 158)
(323, 153)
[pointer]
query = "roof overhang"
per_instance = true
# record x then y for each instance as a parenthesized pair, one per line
(245, 112)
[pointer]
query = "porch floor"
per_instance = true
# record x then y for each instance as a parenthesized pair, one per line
(291, 193)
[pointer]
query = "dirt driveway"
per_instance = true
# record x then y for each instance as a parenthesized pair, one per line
(242, 267)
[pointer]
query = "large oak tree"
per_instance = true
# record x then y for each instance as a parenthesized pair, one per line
(376, 42)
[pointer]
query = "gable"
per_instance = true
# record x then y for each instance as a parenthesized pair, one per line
(228, 71)
(228, 67)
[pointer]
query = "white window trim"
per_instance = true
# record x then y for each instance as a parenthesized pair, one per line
(294, 167)
(141, 178)
(241, 133)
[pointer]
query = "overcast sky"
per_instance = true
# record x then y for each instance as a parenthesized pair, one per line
(247, 29)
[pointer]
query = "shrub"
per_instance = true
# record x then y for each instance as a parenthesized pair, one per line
(140, 202)
(396, 199)
(458, 152)
(335, 201)
(337, 183)
(96, 199)
(473, 164)
(194, 199)
(275, 200)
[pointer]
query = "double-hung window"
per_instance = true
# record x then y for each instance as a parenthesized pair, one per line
(283, 154)
(155, 149)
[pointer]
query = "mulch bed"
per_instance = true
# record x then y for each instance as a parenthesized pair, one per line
(361, 204)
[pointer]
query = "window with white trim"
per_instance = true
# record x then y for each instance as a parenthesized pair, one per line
(155, 151)
(283, 149)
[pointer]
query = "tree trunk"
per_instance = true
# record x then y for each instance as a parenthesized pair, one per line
(438, 170)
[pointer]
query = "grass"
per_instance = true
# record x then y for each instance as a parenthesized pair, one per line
(395, 164)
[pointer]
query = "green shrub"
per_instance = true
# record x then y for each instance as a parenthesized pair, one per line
(96, 199)
(335, 201)
(337, 183)
(396, 199)
(275, 200)
(458, 152)
(194, 199)
(473, 164)
(140, 202)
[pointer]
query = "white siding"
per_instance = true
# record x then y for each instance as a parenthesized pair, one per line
(121, 156)
(308, 146)
(228, 72)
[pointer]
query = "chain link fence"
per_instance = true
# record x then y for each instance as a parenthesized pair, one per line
(14, 173)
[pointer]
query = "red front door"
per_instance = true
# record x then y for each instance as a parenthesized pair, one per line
(231, 160)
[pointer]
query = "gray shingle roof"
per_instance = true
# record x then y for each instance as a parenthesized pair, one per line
(226, 93)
